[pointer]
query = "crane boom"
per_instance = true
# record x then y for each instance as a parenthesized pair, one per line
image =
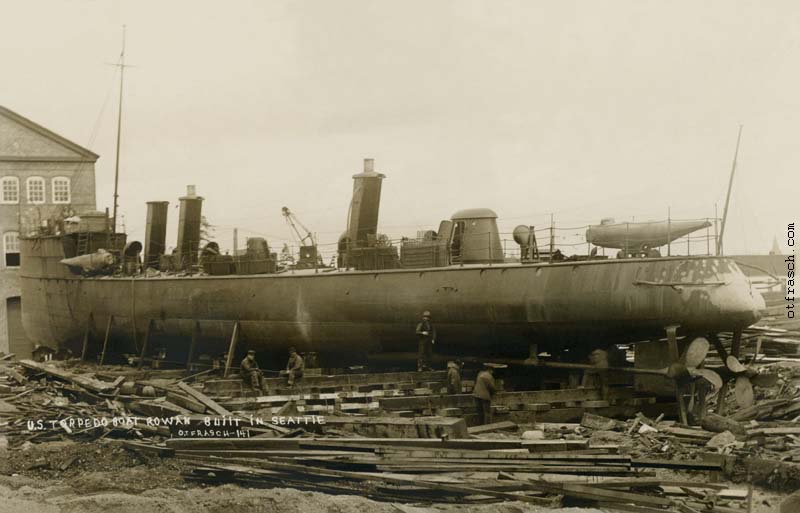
(308, 238)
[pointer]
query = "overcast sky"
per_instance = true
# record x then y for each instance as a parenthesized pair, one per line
(585, 109)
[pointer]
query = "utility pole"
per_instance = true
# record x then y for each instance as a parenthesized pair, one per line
(728, 197)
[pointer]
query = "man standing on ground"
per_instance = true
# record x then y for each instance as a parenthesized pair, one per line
(426, 337)
(294, 367)
(454, 377)
(483, 392)
(250, 371)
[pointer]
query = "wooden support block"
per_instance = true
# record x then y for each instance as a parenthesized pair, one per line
(449, 412)
(596, 404)
(496, 426)
(535, 407)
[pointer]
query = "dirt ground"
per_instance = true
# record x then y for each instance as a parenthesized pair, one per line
(68, 477)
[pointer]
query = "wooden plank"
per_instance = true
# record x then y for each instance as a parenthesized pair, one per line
(675, 464)
(444, 454)
(145, 343)
(86, 382)
(585, 470)
(200, 396)
(385, 378)
(231, 349)
(155, 450)
(232, 444)
(186, 402)
(365, 444)
(401, 427)
(105, 339)
(774, 431)
(273, 465)
(496, 426)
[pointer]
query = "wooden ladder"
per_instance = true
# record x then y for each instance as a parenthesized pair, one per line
(83, 243)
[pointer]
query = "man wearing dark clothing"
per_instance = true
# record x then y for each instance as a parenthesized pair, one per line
(454, 377)
(250, 371)
(294, 367)
(426, 337)
(483, 392)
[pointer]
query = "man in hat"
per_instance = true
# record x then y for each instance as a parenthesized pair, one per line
(294, 367)
(426, 337)
(250, 371)
(454, 377)
(483, 392)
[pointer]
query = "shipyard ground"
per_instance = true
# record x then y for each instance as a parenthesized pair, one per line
(106, 477)
(381, 429)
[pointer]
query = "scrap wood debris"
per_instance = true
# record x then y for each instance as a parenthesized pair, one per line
(609, 463)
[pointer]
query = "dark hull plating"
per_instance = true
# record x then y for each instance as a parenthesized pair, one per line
(484, 309)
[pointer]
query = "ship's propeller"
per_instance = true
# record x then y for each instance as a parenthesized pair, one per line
(745, 377)
(696, 352)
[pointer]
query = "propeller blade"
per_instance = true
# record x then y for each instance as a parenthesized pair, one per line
(764, 380)
(709, 375)
(733, 364)
(743, 392)
(696, 352)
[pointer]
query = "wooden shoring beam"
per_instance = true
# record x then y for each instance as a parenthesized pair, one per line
(145, 342)
(231, 349)
(87, 334)
(105, 339)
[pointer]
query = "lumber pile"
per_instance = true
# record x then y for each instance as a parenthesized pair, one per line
(469, 470)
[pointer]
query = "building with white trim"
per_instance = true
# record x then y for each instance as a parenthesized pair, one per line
(42, 176)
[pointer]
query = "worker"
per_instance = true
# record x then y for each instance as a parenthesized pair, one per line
(294, 367)
(454, 377)
(426, 337)
(483, 392)
(250, 371)
(597, 378)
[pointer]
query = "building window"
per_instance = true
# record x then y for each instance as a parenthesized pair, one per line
(35, 186)
(11, 248)
(9, 192)
(61, 192)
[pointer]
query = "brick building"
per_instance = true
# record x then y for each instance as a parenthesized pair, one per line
(42, 176)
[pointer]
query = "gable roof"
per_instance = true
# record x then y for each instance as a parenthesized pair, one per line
(83, 153)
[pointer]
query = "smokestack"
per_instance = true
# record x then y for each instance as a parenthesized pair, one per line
(155, 234)
(365, 205)
(189, 227)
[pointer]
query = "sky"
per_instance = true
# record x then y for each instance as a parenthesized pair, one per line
(579, 109)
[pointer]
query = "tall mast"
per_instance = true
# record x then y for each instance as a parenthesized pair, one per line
(728, 197)
(121, 66)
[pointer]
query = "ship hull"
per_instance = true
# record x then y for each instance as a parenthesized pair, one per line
(482, 309)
